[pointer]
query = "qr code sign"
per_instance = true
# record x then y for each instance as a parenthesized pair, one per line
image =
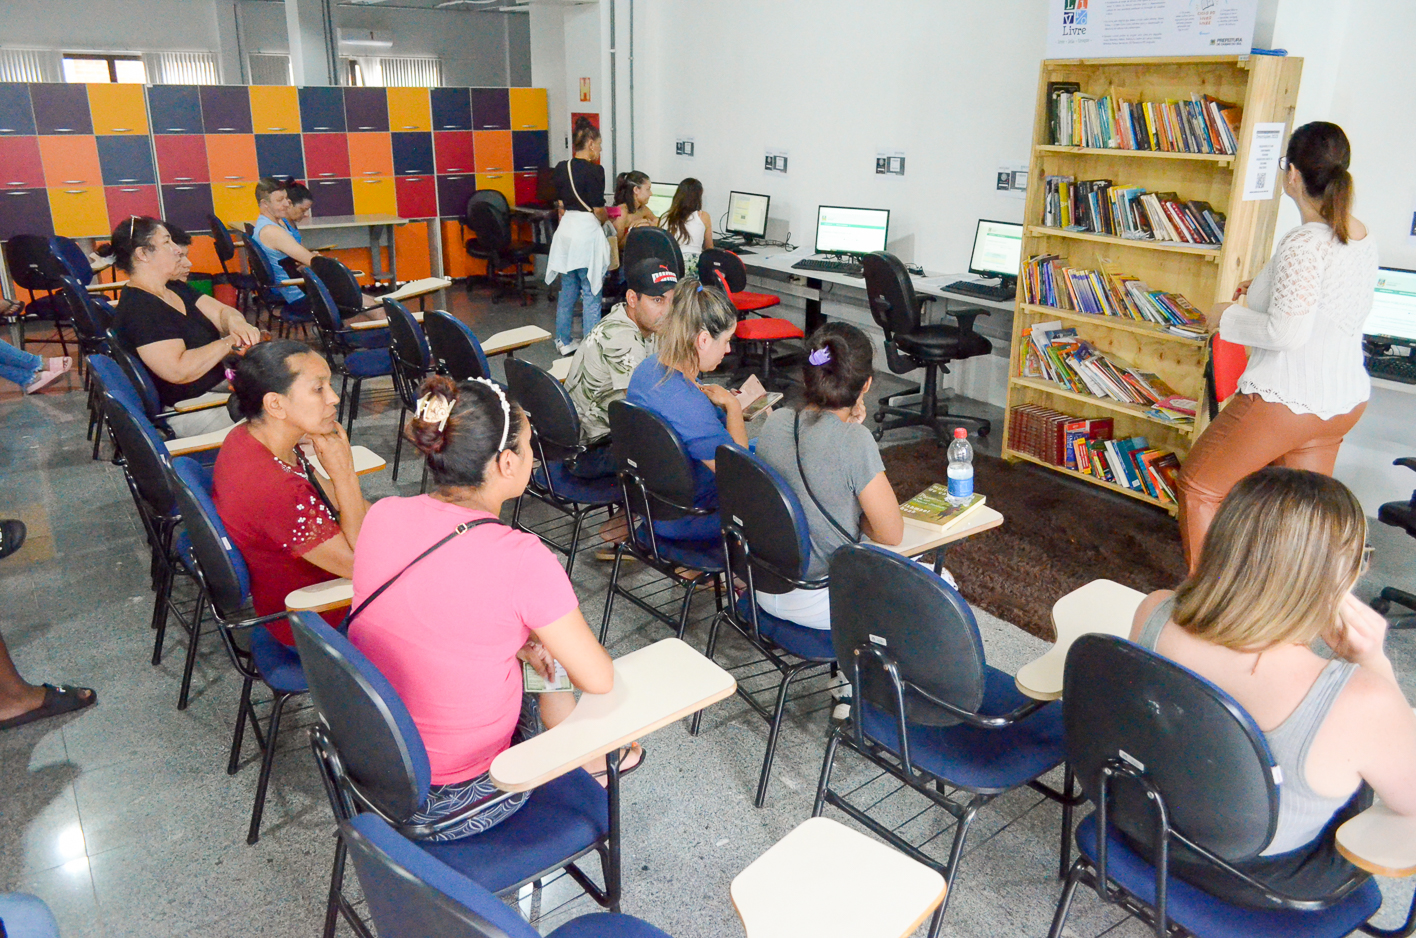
(1260, 182)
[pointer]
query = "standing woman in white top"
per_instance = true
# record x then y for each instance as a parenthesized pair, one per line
(689, 224)
(579, 251)
(1301, 318)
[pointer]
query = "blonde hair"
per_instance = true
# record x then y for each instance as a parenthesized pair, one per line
(1284, 548)
(694, 310)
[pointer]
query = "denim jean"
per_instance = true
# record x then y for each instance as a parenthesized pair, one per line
(576, 283)
(18, 365)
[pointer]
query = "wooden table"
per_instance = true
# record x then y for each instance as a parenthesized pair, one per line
(825, 880)
(918, 541)
(1101, 606)
(654, 686)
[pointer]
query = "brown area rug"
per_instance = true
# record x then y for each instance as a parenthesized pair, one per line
(1057, 535)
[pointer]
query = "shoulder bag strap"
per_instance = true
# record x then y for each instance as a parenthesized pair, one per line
(460, 529)
(319, 490)
(570, 174)
(801, 470)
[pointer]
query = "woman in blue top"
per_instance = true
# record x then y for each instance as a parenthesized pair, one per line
(694, 337)
(275, 242)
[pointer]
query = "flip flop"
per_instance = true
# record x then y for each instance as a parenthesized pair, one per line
(625, 751)
(58, 699)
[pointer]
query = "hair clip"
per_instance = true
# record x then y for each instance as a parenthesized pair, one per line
(819, 356)
(505, 406)
(231, 374)
(433, 407)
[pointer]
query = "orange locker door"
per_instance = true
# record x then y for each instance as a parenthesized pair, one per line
(118, 109)
(528, 109)
(70, 162)
(234, 202)
(491, 151)
(370, 155)
(375, 196)
(409, 109)
(79, 212)
(275, 109)
(231, 158)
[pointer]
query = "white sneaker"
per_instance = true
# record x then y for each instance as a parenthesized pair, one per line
(567, 349)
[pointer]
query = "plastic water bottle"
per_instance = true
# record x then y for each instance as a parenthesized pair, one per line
(960, 470)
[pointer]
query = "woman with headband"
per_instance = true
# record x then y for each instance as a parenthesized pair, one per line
(451, 631)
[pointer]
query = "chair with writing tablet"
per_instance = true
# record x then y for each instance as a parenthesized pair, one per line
(929, 711)
(412, 362)
(351, 355)
(456, 350)
(1183, 779)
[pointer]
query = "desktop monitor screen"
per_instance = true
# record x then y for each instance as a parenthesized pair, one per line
(662, 197)
(997, 249)
(1394, 305)
(747, 214)
(841, 230)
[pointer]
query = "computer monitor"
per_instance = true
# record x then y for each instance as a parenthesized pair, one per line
(1393, 314)
(747, 214)
(997, 250)
(842, 230)
(661, 197)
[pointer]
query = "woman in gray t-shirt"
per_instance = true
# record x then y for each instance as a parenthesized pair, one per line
(841, 460)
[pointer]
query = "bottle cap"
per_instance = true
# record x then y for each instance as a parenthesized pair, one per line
(960, 433)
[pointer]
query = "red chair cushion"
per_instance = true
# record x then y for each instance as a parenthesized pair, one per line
(747, 302)
(767, 330)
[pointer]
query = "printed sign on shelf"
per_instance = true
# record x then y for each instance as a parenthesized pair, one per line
(1265, 147)
(1108, 28)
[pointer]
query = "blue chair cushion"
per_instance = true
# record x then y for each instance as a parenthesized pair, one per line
(368, 338)
(27, 916)
(702, 555)
(814, 644)
(981, 760)
(560, 819)
(1209, 917)
(368, 363)
(607, 925)
(278, 664)
(604, 491)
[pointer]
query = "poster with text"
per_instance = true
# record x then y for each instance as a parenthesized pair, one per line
(1112, 28)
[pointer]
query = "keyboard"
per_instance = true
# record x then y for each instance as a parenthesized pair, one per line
(985, 290)
(1392, 367)
(849, 268)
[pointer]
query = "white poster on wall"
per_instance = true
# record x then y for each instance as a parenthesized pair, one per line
(1109, 28)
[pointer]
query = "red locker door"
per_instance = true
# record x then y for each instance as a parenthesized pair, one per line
(20, 165)
(181, 159)
(417, 196)
(125, 201)
(326, 156)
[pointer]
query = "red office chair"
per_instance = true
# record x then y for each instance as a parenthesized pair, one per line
(727, 268)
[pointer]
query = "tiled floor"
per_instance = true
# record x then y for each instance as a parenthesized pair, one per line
(124, 819)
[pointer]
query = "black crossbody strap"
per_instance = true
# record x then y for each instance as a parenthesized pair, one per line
(460, 529)
(801, 471)
(319, 489)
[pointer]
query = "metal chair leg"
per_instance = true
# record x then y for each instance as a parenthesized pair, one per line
(398, 441)
(194, 634)
(610, 594)
(268, 760)
(708, 653)
(773, 734)
(243, 710)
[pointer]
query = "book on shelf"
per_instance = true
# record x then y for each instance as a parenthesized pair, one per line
(1047, 281)
(1100, 206)
(1201, 124)
(1059, 355)
(932, 510)
(1088, 447)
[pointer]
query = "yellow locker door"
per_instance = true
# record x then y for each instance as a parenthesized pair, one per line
(375, 196)
(505, 183)
(234, 202)
(79, 213)
(528, 109)
(275, 109)
(118, 109)
(409, 110)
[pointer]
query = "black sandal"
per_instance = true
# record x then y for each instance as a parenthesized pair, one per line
(632, 747)
(58, 700)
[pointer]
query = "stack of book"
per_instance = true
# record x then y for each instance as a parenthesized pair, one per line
(932, 511)
(1102, 207)
(1047, 282)
(1086, 446)
(1057, 354)
(1200, 125)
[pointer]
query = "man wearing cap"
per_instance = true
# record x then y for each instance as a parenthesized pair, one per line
(607, 357)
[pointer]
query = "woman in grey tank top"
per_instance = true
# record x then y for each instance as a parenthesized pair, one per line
(1275, 573)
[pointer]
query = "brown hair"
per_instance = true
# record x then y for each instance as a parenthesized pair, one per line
(1321, 153)
(687, 200)
(693, 310)
(1284, 548)
(585, 132)
(847, 363)
(459, 452)
(268, 187)
(137, 231)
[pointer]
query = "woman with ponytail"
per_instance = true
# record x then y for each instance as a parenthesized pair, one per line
(1301, 318)
(632, 192)
(455, 623)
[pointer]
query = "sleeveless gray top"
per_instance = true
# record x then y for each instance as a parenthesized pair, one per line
(1302, 812)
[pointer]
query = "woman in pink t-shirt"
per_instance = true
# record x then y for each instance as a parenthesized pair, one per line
(451, 633)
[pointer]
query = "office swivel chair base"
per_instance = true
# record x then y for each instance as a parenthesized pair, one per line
(1391, 595)
(931, 412)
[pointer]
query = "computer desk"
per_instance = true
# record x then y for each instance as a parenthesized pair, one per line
(780, 261)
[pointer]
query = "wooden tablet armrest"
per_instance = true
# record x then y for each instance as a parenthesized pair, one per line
(377, 323)
(365, 460)
(321, 597)
(106, 287)
(291, 282)
(1380, 841)
(197, 444)
(204, 402)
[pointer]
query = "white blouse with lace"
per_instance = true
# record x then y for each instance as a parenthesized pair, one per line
(1302, 322)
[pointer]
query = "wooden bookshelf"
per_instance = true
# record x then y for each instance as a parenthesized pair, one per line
(1266, 87)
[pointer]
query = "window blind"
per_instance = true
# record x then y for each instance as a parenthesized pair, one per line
(269, 68)
(30, 65)
(400, 71)
(181, 68)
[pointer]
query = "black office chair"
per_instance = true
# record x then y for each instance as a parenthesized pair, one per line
(1399, 515)
(348, 298)
(1183, 780)
(267, 294)
(768, 547)
(910, 345)
(555, 439)
(657, 479)
(226, 253)
(348, 353)
(412, 362)
(928, 709)
(90, 323)
(456, 350)
(34, 266)
(648, 241)
(488, 217)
